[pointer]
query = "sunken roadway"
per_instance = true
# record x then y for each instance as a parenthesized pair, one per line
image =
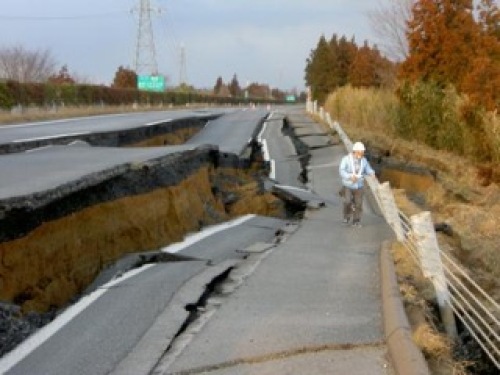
(253, 296)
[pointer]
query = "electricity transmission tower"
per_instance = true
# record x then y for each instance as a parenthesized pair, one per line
(145, 53)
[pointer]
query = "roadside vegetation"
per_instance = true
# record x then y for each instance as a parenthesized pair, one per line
(435, 106)
(30, 79)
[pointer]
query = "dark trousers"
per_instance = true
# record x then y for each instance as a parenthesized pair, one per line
(353, 203)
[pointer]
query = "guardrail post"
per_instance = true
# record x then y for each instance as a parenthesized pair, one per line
(389, 208)
(322, 113)
(328, 119)
(432, 267)
(343, 136)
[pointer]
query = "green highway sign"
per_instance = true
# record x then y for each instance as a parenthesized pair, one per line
(151, 83)
(290, 98)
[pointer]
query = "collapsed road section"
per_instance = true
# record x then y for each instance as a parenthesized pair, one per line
(140, 129)
(69, 212)
(128, 322)
(56, 236)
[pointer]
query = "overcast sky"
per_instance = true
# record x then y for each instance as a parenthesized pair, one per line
(265, 41)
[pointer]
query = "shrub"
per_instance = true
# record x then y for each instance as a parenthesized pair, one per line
(6, 101)
(425, 112)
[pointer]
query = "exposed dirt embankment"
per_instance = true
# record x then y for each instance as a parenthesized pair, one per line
(144, 209)
(175, 138)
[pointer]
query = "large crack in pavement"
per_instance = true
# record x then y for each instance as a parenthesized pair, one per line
(128, 199)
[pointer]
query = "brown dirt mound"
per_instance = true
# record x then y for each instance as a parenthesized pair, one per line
(56, 261)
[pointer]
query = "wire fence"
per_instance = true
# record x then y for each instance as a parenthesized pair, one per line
(458, 295)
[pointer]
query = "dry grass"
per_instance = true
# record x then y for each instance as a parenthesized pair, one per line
(432, 343)
(417, 294)
(491, 127)
(368, 108)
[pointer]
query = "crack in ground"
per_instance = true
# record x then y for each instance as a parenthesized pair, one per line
(277, 356)
(199, 307)
(207, 305)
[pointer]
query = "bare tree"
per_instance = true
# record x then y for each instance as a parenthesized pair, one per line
(19, 64)
(389, 22)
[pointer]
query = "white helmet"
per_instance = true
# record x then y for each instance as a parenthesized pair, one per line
(358, 146)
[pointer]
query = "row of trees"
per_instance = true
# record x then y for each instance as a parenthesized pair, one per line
(252, 90)
(31, 68)
(36, 82)
(13, 93)
(338, 62)
(448, 73)
(443, 42)
(449, 90)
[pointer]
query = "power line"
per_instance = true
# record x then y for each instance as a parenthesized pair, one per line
(60, 18)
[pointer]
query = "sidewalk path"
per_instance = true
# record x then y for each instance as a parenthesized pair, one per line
(312, 306)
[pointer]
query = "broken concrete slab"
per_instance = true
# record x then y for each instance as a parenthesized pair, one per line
(258, 247)
(298, 196)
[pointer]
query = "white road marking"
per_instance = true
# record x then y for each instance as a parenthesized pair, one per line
(50, 137)
(195, 237)
(34, 341)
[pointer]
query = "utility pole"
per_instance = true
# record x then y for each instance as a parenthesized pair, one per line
(145, 53)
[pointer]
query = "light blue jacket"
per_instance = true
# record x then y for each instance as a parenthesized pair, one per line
(346, 171)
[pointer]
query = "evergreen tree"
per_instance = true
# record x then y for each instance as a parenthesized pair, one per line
(362, 70)
(443, 40)
(339, 62)
(234, 87)
(347, 51)
(218, 85)
(482, 83)
(334, 46)
(320, 70)
(448, 46)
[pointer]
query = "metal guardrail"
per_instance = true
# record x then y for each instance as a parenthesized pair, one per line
(458, 295)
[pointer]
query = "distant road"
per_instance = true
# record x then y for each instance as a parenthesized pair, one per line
(46, 130)
(231, 132)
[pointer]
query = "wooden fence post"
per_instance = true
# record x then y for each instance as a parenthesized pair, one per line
(430, 259)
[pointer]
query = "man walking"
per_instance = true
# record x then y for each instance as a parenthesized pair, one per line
(353, 169)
